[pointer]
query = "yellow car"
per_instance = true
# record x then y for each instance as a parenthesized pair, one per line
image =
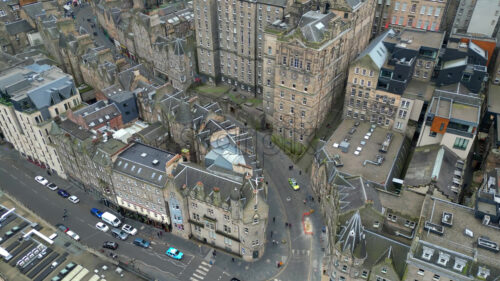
(293, 183)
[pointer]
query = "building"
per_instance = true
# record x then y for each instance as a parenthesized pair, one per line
(452, 244)
(306, 73)
(437, 170)
(96, 116)
(15, 36)
(32, 96)
(477, 17)
(139, 176)
(463, 62)
(229, 35)
(452, 120)
(9, 10)
(389, 82)
(401, 14)
(224, 210)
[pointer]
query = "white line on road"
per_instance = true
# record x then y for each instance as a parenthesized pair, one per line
(193, 279)
(199, 277)
(207, 264)
(201, 272)
(204, 268)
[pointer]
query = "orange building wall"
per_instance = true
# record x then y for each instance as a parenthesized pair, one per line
(485, 45)
(436, 124)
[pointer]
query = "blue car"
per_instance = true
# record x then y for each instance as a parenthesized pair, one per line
(174, 253)
(63, 193)
(141, 242)
(96, 212)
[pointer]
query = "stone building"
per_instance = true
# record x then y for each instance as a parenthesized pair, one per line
(15, 36)
(9, 10)
(225, 211)
(306, 74)
(389, 82)
(32, 96)
(477, 17)
(418, 14)
(96, 116)
(230, 40)
(98, 67)
(139, 176)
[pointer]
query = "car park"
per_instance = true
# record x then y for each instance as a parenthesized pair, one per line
(73, 235)
(96, 212)
(110, 245)
(74, 199)
(102, 226)
(62, 227)
(119, 234)
(41, 180)
(293, 183)
(63, 193)
(141, 242)
(174, 253)
(130, 230)
(52, 186)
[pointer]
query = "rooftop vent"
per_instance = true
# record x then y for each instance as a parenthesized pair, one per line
(155, 162)
(468, 232)
(486, 243)
(434, 228)
(486, 220)
(427, 253)
(144, 154)
(447, 219)
(386, 143)
(107, 117)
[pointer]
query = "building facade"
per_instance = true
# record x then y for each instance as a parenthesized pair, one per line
(477, 17)
(32, 97)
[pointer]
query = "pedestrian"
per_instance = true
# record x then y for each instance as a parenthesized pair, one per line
(300, 172)
(305, 201)
(158, 234)
(312, 199)
(274, 219)
(232, 259)
(161, 233)
(286, 224)
(214, 253)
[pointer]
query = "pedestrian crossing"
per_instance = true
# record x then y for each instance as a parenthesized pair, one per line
(201, 272)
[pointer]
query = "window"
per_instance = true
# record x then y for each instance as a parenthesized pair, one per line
(403, 7)
(364, 274)
(355, 81)
(344, 268)
(364, 71)
(304, 101)
(396, 6)
(461, 143)
(281, 106)
(284, 59)
(401, 20)
(227, 229)
(269, 50)
(245, 230)
(303, 113)
(430, 10)
(410, 22)
(438, 12)
(281, 117)
(356, 70)
(291, 109)
(282, 94)
(413, 8)
(384, 270)
(368, 83)
(292, 97)
(371, 73)
(421, 272)
(422, 10)
(435, 277)
(308, 66)
(393, 19)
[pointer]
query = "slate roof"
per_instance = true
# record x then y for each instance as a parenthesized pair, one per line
(74, 129)
(52, 93)
(137, 161)
(98, 113)
(376, 50)
(153, 132)
(351, 238)
(21, 26)
(121, 96)
(278, 3)
(105, 150)
(314, 24)
(34, 10)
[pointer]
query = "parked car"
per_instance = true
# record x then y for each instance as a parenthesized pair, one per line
(52, 186)
(174, 253)
(96, 212)
(102, 226)
(62, 227)
(63, 193)
(41, 180)
(293, 183)
(119, 234)
(74, 199)
(130, 230)
(73, 235)
(141, 242)
(110, 245)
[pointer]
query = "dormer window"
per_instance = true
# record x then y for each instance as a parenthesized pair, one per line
(459, 264)
(255, 219)
(427, 253)
(384, 270)
(483, 272)
(444, 258)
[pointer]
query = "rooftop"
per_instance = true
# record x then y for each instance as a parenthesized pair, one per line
(98, 113)
(421, 90)
(415, 39)
(494, 98)
(455, 232)
(145, 163)
(451, 105)
(75, 130)
(363, 164)
(435, 164)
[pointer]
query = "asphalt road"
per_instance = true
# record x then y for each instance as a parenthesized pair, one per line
(17, 178)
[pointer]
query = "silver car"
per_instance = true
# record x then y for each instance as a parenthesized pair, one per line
(118, 233)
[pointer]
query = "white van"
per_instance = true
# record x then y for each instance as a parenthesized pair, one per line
(110, 219)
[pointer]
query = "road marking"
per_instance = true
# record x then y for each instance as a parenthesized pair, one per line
(199, 277)
(193, 279)
(201, 272)
(204, 268)
(207, 264)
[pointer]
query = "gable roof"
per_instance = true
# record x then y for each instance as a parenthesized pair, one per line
(21, 26)
(376, 51)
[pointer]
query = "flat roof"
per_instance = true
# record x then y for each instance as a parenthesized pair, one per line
(454, 239)
(414, 39)
(457, 106)
(353, 165)
(421, 90)
(494, 98)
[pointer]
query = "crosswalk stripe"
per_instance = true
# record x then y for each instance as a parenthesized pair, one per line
(198, 276)
(207, 264)
(201, 272)
(204, 268)
(193, 279)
